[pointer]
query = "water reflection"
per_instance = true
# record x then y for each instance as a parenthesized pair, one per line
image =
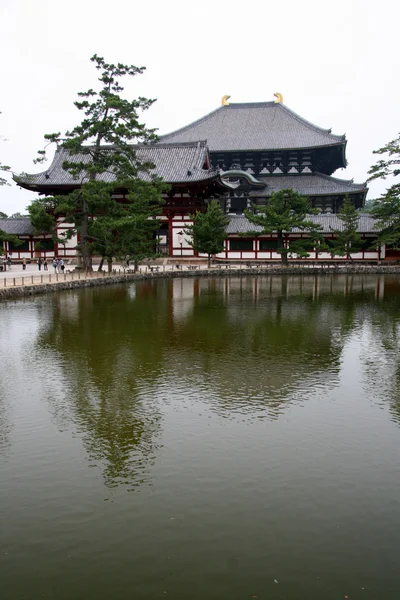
(239, 345)
(103, 382)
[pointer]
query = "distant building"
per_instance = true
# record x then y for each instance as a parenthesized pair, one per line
(241, 154)
(32, 246)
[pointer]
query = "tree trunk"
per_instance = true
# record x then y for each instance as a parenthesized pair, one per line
(109, 265)
(209, 261)
(101, 263)
(86, 258)
(136, 265)
(281, 244)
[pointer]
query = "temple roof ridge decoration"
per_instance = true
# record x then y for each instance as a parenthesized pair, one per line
(252, 126)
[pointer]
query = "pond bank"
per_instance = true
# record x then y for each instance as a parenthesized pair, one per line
(19, 291)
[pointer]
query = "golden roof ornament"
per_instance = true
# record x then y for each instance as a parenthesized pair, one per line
(224, 100)
(279, 98)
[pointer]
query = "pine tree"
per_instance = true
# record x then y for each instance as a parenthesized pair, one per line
(287, 210)
(129, 234)
(347, 241)
(386, 209)
(207, 234)
(100, 148)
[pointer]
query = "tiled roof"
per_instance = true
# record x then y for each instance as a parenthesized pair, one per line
(254, 126)
(16, 226)
(315, 184)
(174, 163)
(239, 224)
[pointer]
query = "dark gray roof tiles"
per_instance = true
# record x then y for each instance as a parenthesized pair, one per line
(16, 226)
(366, 224)
(174, 163)
(254, 126)
(315, 184)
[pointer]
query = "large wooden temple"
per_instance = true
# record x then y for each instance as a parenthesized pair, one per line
(240, 154)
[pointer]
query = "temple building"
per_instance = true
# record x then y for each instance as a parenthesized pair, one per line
(240, 154)
(184, 166)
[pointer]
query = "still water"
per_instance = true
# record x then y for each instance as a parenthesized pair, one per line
(202, 439)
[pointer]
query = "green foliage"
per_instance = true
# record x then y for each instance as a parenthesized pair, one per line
(287, 210)
(386, 209)
(128, 233)
(5, 168)
(387, 215)
(7, 237)
(41, 212)
(3, 215)
(348, 241)
(388, 166)
(369, 205)
(207, 234)
(101, 148)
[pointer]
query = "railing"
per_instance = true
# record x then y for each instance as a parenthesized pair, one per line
(49, 277)
(46, 278)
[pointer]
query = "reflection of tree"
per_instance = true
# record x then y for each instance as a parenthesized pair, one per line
(247, 345)
(105, 352)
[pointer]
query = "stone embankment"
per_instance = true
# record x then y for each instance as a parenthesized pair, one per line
(18, 291)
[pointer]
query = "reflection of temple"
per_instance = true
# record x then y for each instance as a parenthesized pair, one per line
(241, 154)
(236, 344)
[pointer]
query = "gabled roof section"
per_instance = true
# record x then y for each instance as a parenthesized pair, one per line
(254, 126)
(174, 163)
(314, 184)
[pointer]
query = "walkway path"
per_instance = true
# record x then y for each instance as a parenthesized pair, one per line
(16, 276)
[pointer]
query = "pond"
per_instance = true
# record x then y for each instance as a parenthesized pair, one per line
(223, 438)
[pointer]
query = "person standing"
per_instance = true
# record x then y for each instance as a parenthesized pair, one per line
(55, 265)
(39, 263)
(45, 267)
(24, 264)
(62, 266)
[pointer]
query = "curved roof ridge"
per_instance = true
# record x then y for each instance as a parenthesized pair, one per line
(339, 180)
(192, 124)
(198, 143)
(340, 138)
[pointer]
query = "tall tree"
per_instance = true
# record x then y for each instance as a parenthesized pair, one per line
(207, 234)
(347, 240)
(386, 209)
(287, 210)
(102, 156)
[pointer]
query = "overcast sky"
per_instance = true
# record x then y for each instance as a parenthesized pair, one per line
(336, 64)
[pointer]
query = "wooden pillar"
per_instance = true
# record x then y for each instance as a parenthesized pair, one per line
(170, 234)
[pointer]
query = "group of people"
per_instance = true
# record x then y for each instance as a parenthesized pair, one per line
(58, 264)
(5, 262)
(41, 262)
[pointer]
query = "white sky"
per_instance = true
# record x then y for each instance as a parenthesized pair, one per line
(336, 64)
